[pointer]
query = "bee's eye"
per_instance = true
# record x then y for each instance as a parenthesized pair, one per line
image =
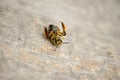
(50, 25)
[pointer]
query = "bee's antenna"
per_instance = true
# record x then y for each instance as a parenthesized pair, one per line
(56, 48)
(65, 42)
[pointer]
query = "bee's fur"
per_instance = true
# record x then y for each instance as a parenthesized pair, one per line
(54, 34)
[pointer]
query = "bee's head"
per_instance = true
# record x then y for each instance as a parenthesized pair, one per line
(59, 40)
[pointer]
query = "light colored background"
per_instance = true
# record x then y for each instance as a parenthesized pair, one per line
(93, 33)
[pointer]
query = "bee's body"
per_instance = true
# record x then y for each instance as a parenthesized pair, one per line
(54, 34)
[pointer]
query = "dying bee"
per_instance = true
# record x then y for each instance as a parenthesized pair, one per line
(54, 34)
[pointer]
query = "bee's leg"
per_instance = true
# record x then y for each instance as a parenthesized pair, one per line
(64, 29)
(46, 32)
(51, 35)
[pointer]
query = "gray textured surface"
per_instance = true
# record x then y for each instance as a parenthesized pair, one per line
(93, 33)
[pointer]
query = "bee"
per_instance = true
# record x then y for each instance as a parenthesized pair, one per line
(54, 34)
